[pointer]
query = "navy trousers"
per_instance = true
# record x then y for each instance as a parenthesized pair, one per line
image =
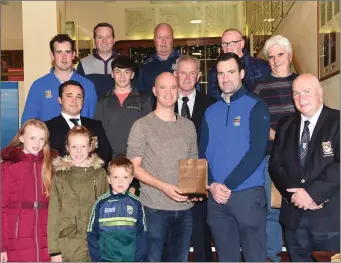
(240, 223)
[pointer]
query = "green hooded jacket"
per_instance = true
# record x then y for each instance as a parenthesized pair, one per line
(74, 191)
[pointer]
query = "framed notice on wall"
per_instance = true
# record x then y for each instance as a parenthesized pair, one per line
(328, 39)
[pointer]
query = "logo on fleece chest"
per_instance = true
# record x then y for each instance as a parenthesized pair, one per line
(236, 121)
(48, 94)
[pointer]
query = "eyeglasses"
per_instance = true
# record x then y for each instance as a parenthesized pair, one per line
(231, 43)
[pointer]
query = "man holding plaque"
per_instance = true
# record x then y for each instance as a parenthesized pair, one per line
(234, 138)
(156, 144)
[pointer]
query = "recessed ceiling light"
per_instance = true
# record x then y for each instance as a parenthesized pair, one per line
(269, 20)
(195, 21)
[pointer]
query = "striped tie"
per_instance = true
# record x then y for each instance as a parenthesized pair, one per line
(304, 142)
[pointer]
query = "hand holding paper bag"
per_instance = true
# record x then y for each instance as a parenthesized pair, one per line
(193, 177)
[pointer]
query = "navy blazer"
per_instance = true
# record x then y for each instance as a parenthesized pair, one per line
(58, 128)
(320, 176)
(201, 103)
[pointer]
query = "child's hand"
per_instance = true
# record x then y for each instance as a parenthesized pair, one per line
(4, 257)
(57, 258)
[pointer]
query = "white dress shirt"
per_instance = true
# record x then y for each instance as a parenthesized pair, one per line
(313, 120)
(68, 117)
(190, 103)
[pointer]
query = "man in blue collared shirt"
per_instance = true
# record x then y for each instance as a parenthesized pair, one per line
(42, 100)
(255, 68)
(163, 60)
(97, 67)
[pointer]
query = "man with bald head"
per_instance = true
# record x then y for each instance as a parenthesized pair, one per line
(156, 143)
(305, 167)
(255, 68)
(163, 60)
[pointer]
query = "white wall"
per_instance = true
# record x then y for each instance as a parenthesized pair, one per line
(218, 15)
(331, 91)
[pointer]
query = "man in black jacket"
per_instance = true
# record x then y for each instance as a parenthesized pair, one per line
(305, 168)
(71, 98)
(121, 106)
(192, 105)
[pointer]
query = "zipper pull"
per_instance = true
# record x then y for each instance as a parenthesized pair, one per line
(95, 187)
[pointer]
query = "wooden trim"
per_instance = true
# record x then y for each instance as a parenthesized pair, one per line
(329, 76)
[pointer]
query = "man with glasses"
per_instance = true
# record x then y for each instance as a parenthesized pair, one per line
(255, 68)
(97, 67)
(42, 100)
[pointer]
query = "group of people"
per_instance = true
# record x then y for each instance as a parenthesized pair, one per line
(91, 140)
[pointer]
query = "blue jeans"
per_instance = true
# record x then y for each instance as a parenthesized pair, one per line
(273, 227)
(171, 228)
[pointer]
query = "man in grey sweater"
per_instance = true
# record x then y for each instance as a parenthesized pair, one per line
(156, 143)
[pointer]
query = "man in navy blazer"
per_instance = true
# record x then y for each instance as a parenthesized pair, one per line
(305, 168)
(71, 96)
(188, 74)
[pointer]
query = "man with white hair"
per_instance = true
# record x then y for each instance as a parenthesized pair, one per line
(192, 104)
(305, 167)
(276, 90)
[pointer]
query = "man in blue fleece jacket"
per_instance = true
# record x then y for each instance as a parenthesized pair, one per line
(42, 100)
(234, 138)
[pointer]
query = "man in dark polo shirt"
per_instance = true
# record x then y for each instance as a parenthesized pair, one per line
(163, 60)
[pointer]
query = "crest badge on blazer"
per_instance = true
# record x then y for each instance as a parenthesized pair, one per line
(236, 121)
(327, 149)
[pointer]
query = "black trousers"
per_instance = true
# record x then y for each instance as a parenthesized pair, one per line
(303, 240)
(201, 235)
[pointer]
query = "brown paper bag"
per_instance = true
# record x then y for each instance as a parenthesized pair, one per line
(193, 177)
(276, 197)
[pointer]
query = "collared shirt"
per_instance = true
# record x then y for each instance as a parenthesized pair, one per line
(190, 103)
(313, 120)
(68, 117)
(153, 67)
(255, 69)
(62, 81)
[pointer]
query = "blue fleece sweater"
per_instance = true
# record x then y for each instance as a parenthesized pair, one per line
(234, 137)
(42, 100)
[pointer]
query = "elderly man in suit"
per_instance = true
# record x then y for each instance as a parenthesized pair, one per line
(305, 167)
(192, 105)
(71, 98)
